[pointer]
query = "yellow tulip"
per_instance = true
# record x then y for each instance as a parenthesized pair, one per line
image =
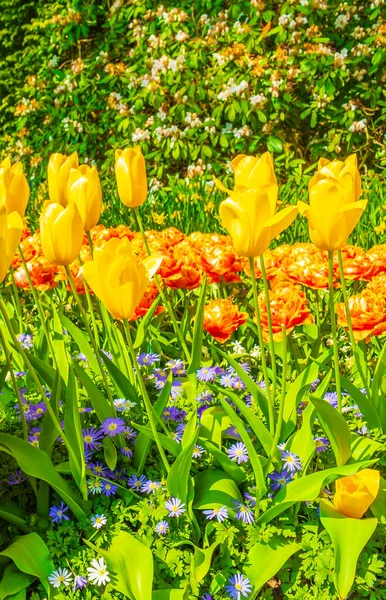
(117, 277)
(130, 171)
(332, 213)
(11, 227)
(251, 172)
(250, 219)
(84, 189)
(354, 494)
(61, 232)
(14, 188)
(345, 172)
(59, 167)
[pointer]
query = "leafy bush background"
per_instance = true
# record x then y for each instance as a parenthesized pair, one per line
(184, 80)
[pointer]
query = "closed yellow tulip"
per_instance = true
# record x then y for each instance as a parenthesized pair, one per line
(14, 188)
(345, 172)
(61, 232)
(117, 277)
(130, 171)
(84, 189)
(11, 227)
(59, 167)
(251, 172)
(250, 219)
(332, 213)
(355, 494)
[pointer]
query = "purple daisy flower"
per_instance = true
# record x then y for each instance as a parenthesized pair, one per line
(177, 367)
(220, 514)
(108, 488)
(135, 483)
(291, 462)
(79, 582)
(145, 360)
(113, 426)
(162, 527)
(238, 452)
(206, 374)
(244, 513)
(126, 451)
(279, 479)
(16, 477)
(57, 513)
(175, 507)
(239, 586)
(92, 438)
(322, 444)
(149, 487)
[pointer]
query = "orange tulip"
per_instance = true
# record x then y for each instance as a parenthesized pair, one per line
(222, 318)
(355, 494)
(368, 314)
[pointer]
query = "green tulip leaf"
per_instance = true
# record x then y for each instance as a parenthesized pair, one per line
(81, 341)
(123, 386)
(308, 488)
(130, 564)
(365, 405)
(168, 595)
(266, 559)
(349, 537)
(98, 401)
(201, 561)
(335, 427)
(178, 478)
(302, 442)
(73, 429)
(214, 420)
(14, 581)
(61, 358)
(229, 466)
(294, 395)
(31, 556)
(198, 332)
(166, 442)
(214, 489)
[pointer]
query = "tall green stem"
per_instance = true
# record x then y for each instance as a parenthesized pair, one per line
(146, 399)
(349, 323)
(90, 243)
(262, 350)
(333, 327)
(14, 383)
(90, 308)
(17, 300)
(279, 423)
(39, 307)
(165, 300)
(270, 330)
(90, 334)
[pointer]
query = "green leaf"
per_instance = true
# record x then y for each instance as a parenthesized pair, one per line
(214, 489)
(167, 442)
(124, 387)
(110, 453)
(349, 537)
(335, 427)
(59, 346)
(293, 397)
(143, 441)
(49, 432)
(131, 564)
(142, 331)
(178, 477)
(308, 488)
(31, 556)
(99, 403)
(14, 581)
(168, 595)
(366, 407)
(363, 448)
(266, 559)
(302, 442)
(73, 429)
(274, 144)
(198, 332)
(46, 372)
(378, 507)
(201, 561)
(261, 487)
(249, 383)
(213, 422)
(13, 514)
(229, 466)
(81, 341)
(36, 463)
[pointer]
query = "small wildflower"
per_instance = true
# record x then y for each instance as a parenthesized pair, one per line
(113, 426)
(95, 486)
(135, 483)
(98, 521)
(162, 527)
(149, 487)
(60, 577)
(108, 488)
(238, 452)
(98, 573)
(217, 513)
(244, 513)
(291, 462)
(321, 444)
(79, 582)
(145, 360)
(175, 507)
(92, 438)
(198, 451)
(239, 585)
(57, 513)
(280, 479)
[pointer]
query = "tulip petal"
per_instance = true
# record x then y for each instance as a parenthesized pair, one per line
(235, 219)
(303, 208)
(152, 264)
(371, 479)
(281, 220)
(221, 186)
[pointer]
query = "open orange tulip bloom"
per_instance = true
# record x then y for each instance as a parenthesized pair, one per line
(118, 278)
(14, 188)
(11, 227)
(354, 494)
(250, 218)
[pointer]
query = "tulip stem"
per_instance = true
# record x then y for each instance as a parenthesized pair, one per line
(270, 330)
(349, 323)
(165, 300)
(32, 371)
(90, 334)
(14, 383)
(145, 396)
(90, 243)
(17, 300)
(280, 415)
(39, 307)
(262, 349)
(90, 307)
(333, 327)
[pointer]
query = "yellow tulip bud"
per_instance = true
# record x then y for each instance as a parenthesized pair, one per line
(251, 172)
(117, 277)
(61, 232)
(250, 218)
(84, 189)
(345, 172)
(11, 227)
(59, 167)
(354, 494)
(14, 188)
(332, 213)
(130, 171)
